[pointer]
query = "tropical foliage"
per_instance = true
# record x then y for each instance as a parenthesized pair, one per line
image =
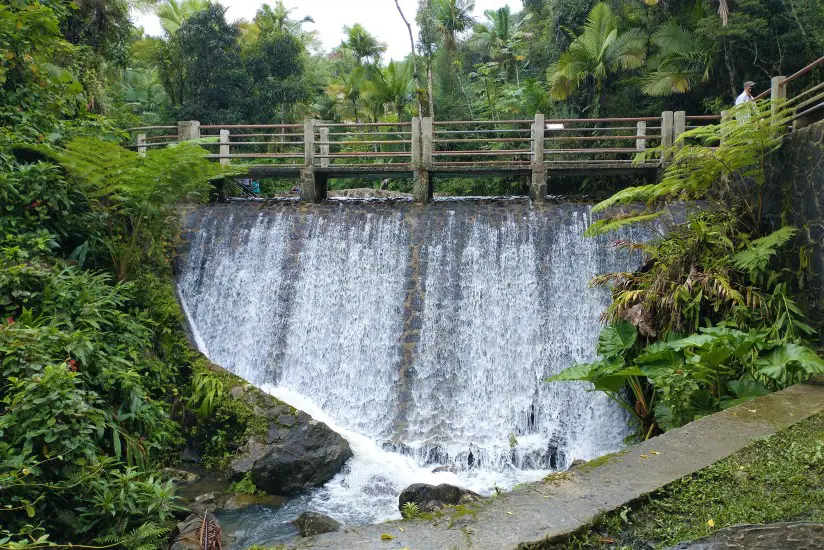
(708, 321)
(90, 368)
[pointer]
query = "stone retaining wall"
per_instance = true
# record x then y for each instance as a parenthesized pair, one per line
(795, 196)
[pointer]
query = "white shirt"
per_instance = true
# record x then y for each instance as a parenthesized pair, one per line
(743, 98)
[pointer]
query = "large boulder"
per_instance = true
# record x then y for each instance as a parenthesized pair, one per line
(431, 498)
(313, 523)
(307, 455)
(289, 452)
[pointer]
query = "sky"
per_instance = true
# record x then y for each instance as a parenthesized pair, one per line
(380, 17)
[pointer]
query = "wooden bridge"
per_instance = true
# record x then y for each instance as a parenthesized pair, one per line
(423, 148)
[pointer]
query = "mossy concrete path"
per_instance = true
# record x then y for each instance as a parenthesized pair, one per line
(571, 500)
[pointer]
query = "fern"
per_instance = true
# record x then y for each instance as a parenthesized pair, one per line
(759, 252)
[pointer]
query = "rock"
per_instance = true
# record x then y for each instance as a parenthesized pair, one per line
(313, 523)
(287, 451)
(786, 536)
(239, 502)
(185, 535)
(448, 468)
(190, 455)
(178, 476)
(309, 456)
(577, 462)
(207, 502)
(430, 498)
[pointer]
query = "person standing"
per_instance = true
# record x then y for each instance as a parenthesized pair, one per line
(746, 95)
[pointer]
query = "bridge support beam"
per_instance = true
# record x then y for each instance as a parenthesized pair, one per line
(537, 185)
(313, 185)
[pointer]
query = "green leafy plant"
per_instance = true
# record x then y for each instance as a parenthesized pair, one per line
(410, 510)
(245, 486)
(708, 321)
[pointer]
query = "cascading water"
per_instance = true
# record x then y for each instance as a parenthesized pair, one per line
(422, 334)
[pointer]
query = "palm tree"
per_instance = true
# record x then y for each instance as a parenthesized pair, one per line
(598, 51)
(502, 36)
(392, 85)
(453, 17)
(683, 60)
(172, 13)
(362, 44)
(276, 20)
(350, 88)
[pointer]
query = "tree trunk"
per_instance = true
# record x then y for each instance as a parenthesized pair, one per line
(415, 80)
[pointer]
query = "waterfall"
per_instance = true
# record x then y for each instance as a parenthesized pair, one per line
(424, 334)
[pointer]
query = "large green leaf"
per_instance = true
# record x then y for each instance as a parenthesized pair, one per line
(783, 362)
(577, 372)
(616, 338)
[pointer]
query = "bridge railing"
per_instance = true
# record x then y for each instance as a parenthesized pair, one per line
(331, 144)
(275, 144)
(424, 144)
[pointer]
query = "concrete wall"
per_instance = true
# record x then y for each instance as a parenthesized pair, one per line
(795, 195)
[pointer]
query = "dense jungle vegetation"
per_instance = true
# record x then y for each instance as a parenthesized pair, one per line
(95, 373)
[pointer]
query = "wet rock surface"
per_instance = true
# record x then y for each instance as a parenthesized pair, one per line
(314, 523)
(431, 498)
(239, 502)
(535, 513)
(776, 536)
(294, 452)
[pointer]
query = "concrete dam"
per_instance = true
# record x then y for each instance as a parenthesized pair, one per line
(423, 333)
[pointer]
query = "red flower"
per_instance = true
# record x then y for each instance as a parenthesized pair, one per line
(10, 320)
(72, 365)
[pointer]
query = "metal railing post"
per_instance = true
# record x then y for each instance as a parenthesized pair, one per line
(141, 145)
(224, 148)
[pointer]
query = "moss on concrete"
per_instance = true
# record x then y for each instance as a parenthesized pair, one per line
(780, 478)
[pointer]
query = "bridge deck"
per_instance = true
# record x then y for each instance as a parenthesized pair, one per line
(563, 168)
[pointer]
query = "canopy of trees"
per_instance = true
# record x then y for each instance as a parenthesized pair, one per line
(562, 57)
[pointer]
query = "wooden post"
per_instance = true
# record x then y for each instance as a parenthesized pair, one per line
(679, 126)
(641, 130)
(537, 185)
(324, 147)
(224, 148)
(141, 145)
(188, 130)
(666, 133)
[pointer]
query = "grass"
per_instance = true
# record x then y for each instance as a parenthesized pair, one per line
(780, 478)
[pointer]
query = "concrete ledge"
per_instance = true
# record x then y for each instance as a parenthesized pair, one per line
(571, 500)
